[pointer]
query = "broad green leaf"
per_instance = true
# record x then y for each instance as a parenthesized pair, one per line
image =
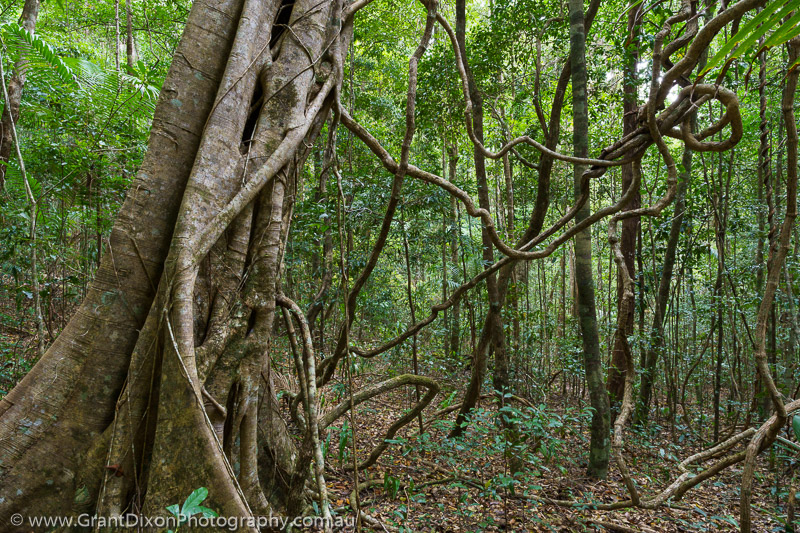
(630, 6)
(192, 504)
(38, 52)
(206, 512)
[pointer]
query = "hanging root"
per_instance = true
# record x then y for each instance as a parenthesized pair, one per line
(308, 379)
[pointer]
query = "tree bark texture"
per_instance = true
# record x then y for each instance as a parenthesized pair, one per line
(30, 13)
(600, 445)
(630, 226)
(161, 381)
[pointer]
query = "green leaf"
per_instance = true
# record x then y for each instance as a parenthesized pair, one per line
(796, 426)
(630, 6)
(749, 42)
(39, 54)
(206, 512)
(748, 34)
(192, 504)
(740, 35)
(786, 32)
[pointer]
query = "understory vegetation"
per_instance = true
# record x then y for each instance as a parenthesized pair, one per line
(505, 265)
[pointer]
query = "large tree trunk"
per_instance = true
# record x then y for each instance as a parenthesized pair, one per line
(161, 380)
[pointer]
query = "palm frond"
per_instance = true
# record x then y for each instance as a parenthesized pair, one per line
(780, 16)
(41, 61)
(114, 93)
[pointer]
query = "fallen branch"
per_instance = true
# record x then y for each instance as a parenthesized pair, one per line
(611, 526)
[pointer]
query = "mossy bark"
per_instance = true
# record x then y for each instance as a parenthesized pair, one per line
(600, 444)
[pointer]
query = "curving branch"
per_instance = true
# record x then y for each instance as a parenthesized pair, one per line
(460, 65)
(380, 388)
(637, 143)
(700, 44)
(675, 122)
(329, 365)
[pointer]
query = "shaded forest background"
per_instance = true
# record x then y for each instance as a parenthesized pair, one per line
(93, 73)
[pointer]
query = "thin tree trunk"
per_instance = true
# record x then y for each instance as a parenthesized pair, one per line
(116, 34)
(41, 342)
(446, 317)
(720, 341)
(630, 226)
(322, 268)
(656, 343)
(130, 46)
(413, 314)
(455, 238)
(599, 448)
(723, 201)
(492, 335)
(764, 169)
(16, 83)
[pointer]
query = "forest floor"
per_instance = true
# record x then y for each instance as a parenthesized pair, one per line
(463, 485)
(435, 484)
